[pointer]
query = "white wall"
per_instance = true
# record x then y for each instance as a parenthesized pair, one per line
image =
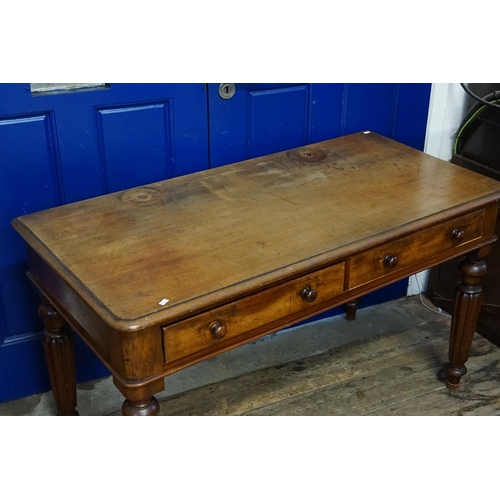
(447, 107)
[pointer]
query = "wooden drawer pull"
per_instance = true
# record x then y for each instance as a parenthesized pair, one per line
(458, 234)
(390, 260)
(218, 331)
(309, 294)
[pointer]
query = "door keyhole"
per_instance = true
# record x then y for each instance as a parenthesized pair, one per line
(227, 90)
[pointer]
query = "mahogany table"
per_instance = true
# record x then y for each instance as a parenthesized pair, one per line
(162, 276)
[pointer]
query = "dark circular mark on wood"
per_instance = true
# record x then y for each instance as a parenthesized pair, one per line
(142, 196)
(308, 155)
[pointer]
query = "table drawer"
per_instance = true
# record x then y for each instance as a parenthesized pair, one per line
(251, 313)
(393, 256)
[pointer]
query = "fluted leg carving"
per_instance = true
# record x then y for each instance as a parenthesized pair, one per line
(466, 309)
(60, 356)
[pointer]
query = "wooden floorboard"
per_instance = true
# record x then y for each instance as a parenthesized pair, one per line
(394, 374)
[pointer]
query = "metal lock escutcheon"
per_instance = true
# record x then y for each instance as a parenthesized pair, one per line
(227, 90)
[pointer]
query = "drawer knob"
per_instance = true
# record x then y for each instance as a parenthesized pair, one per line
(309, 294)
(458, 234)
(218, 331)
(391, 260)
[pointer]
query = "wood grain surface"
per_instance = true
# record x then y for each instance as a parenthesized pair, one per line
(214, 236)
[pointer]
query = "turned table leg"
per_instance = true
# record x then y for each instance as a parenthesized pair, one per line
(60, 356)
(351, 308)
(145, 408)
(139, 399)
(466, 309)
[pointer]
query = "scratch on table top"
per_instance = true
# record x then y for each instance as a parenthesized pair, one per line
(284, 199)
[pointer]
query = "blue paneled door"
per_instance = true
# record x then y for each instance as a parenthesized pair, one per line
(64, 147)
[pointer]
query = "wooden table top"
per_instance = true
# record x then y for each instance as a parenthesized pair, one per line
(206, 238)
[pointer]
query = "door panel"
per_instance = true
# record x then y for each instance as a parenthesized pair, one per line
(370, 107)
(328, 102)
(260, 119)
(59, 148)
(411, 116)
(276, 118)
(23, 190)
(123, 146)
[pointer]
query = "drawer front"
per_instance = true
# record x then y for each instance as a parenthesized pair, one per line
(251, 313)
(393, 256)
